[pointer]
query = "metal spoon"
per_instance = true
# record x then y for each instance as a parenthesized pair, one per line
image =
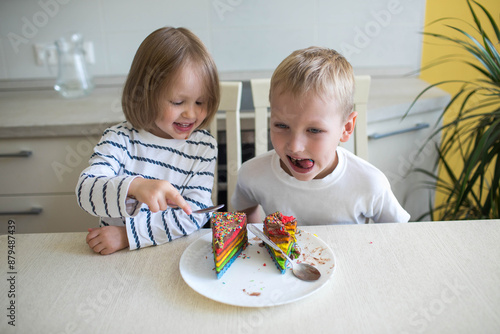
(302, 271)
(207, 209)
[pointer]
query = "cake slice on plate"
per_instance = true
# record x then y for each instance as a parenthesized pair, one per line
(281, 230)
(229, 238)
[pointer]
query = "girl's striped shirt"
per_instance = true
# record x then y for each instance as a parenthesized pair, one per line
(125, 153)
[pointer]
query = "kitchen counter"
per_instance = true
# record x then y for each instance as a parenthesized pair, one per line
(37, 113)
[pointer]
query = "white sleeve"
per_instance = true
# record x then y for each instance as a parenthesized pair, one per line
(100, 190)
(387, 208)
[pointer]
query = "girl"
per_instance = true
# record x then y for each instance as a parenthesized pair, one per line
(159, 156)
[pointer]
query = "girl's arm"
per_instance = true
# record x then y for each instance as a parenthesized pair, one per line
(195, 182)
(101, 190)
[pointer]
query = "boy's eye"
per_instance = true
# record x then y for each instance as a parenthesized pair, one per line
(313, 130)
(199, 103)
(280, 126)
(176, 103)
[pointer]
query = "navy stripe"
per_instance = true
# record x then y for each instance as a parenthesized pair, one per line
(91, 193)
(137, 203)
(194, 221)
(198, 204)
(123, 126)
(176, 220)
(80, 189)
(104, 192)
(103, 164)
(99, 154)
(167, 230)
(148, 224)
(118, 197)
(130, 173)
(134, 233)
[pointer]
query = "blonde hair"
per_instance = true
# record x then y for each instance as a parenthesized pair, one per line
(321, 71)
(157, 61)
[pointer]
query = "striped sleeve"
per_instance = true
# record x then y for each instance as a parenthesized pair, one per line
(101, 189)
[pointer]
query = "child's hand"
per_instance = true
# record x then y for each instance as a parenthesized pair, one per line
(157, 194)
(108, 239)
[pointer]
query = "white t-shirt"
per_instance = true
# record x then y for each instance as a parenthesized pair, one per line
(354, 191)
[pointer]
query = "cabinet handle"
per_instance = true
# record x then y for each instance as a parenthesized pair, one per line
(417, 127)
(32, 211)
(20, 154)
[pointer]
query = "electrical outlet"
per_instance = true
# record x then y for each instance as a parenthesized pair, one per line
(46, 54)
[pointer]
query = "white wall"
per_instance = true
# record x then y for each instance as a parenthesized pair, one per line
(243, 35)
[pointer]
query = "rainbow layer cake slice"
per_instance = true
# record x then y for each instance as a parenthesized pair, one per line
(229, 238)
(281, 230)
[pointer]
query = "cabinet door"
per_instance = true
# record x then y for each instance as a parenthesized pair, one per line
(396, 147)
(43, 165)
(45, 214)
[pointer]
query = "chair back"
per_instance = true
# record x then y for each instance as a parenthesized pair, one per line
(260, 95)
(229, 109)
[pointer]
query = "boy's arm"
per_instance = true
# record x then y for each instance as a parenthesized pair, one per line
(253, 214)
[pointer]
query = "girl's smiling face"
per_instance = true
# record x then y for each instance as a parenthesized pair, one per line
(184, 106)
(305, 132)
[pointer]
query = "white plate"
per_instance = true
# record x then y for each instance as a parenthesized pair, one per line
(253, 279)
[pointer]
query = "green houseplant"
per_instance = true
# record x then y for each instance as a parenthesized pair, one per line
(468, 156)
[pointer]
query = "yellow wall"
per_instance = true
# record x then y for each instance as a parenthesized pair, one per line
(436, 9)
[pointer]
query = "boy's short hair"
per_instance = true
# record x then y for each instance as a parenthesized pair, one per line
(157, 61)
(317, 70)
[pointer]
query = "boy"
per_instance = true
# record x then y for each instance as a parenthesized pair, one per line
(307, 175)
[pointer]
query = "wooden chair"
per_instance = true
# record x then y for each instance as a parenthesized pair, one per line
(230, 110)
(260, 95)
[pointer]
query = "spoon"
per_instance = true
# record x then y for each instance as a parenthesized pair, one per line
(207, 209)
(302, 271)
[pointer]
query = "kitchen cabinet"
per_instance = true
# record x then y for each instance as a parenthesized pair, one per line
(397, 144)
(38, 180)
(397, 147)
(45, 143)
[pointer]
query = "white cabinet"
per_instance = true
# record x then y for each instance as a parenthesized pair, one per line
(396, 147)
(396, 144)
(38, 180)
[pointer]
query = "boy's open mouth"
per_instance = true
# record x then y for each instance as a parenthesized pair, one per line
(301, 164)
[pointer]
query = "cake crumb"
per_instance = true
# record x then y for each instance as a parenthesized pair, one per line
(252, 294)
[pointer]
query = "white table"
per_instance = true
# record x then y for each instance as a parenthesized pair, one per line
(441, 277)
